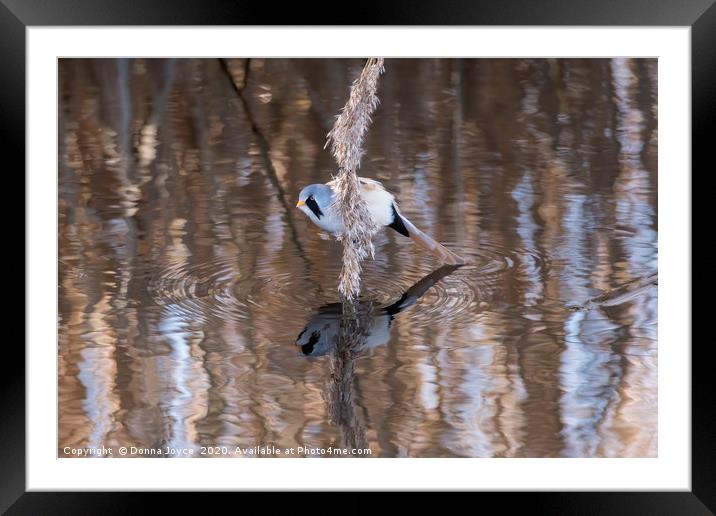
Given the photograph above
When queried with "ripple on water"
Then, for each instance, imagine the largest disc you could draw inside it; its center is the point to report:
(218, 289)
(466, 292)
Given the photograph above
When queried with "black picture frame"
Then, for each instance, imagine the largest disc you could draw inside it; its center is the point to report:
(17, 15)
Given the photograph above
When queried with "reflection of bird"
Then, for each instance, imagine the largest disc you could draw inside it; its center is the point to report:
(324, 328)
(317, 201)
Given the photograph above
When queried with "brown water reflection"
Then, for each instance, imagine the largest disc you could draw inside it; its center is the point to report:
(186, 275)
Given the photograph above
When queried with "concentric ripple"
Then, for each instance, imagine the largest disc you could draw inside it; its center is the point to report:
(468, 290)
(201, 290)
(218, 289)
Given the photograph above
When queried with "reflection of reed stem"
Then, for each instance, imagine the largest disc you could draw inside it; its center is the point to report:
(349, 342)
(342, 407)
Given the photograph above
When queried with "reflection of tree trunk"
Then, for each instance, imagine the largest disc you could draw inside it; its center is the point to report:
(341, 392)
(324, 121)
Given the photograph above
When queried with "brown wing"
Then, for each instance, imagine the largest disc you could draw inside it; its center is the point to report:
(365, 184)
(370, 184)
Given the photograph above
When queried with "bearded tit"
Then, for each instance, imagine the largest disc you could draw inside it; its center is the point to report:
(323, 330)
(318, 202)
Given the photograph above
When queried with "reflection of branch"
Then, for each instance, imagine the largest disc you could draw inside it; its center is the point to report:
(619, 294)
(264, 148)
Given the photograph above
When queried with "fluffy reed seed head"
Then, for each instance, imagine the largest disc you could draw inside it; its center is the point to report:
(346, 139)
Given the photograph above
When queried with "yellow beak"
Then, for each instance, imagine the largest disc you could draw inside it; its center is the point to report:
(299, 204)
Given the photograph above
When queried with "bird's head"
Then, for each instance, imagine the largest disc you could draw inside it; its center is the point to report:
(320, 334)
(317, 338)
(314, 200)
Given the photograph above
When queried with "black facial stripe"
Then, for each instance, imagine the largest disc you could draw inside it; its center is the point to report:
(307, 349)
(313, 206)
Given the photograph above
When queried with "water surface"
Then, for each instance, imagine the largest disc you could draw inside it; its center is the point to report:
(186, 275)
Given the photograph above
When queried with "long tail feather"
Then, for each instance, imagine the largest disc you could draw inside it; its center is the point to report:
(445, 255)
